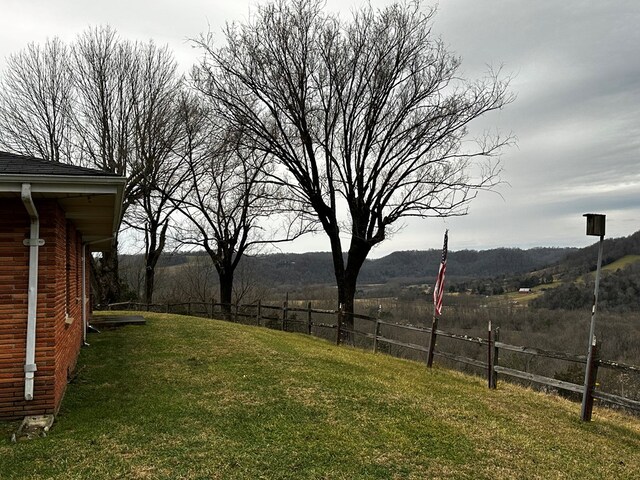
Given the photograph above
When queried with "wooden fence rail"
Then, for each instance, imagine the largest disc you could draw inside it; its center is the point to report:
(551, 382)
(542, 353)
(284, 316)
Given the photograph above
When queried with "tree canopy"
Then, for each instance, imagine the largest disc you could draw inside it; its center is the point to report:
(367, 117)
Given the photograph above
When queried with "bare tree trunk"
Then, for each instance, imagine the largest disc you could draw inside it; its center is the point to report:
(226, 291)
(347, 283)
(107, 277)
(155, 243)
(149, 281)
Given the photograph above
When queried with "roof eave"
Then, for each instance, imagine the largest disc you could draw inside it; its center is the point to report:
(72, 184)
(60, 179)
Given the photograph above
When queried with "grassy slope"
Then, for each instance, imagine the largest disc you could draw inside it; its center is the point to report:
(621, 263)
(538, 290)
(193, 398)
(611, 267)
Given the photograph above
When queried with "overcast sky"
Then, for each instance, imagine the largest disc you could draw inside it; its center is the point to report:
(576, 69)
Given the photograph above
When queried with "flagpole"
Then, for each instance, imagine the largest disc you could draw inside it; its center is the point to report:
(438, 293)
(432, 339)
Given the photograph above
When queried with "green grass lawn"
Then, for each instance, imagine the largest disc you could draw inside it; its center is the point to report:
(189, 398)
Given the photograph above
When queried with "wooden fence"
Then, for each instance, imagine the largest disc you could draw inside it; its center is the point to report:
(329, 324)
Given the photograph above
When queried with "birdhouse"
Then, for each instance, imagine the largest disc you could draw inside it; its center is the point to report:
(595, 224)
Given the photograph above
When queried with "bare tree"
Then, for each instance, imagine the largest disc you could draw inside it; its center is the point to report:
(248, 288)
(104, 81)
(127, 96)
(105, 103)
(156, 129)
(73, 106)
(368, 117)
(227, 196)
(35, 102)
(193, 281)
(104, 66)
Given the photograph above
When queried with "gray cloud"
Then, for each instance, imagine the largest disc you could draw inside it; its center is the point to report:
(577, 114)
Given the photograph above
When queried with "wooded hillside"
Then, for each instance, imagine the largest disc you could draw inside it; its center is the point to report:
(560, 276)
(416, 266)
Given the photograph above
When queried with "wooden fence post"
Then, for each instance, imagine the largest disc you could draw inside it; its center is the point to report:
(166, 310)
(494, 374)
(432, 340)
(189, 308)
(375, 336)
(259, 313)
(309, 318)
(235, 313)
(284, 315)
(213, 305)
(376, 333)
(489, 357)
(339, 326)
(592, 374)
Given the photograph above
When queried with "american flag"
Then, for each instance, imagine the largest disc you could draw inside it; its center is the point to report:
(438, 289)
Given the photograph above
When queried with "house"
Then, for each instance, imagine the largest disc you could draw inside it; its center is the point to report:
(51, 217)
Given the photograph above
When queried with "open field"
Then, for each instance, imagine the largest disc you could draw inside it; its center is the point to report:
(621, 263)
(193, 398)
(611, 267)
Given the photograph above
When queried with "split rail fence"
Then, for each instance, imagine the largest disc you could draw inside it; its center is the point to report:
(381, 336)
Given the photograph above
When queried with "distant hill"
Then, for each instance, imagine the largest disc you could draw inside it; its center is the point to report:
(406, 267)
(423, 265)
(584, 260)
(559, 277)
(619, 286)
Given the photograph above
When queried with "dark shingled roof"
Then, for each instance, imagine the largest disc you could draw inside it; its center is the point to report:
(12, 164)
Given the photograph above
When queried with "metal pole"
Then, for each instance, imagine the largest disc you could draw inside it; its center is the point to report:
(592, 331)
(591, 383)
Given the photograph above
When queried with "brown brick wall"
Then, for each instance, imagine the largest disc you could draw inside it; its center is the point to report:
(13, 301)
(68, 332)
(59, 291)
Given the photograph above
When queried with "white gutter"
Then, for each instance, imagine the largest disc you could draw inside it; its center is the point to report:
(33, 243)
(62, 183)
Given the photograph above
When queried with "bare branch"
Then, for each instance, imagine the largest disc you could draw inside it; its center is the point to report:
(35, 102)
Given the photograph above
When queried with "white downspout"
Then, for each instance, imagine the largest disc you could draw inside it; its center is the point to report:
(84, 294)
(33, 243)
